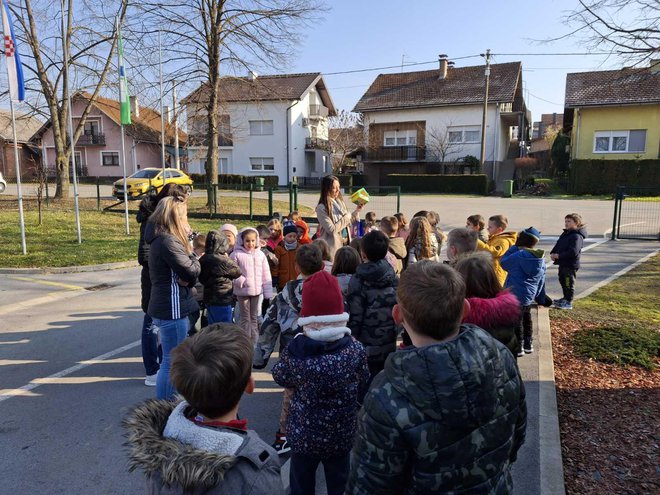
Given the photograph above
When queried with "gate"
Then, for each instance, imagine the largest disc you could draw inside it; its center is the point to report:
(636, 213)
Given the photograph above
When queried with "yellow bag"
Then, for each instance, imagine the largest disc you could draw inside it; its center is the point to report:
(360, 197)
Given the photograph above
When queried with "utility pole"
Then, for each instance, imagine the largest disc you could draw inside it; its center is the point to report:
(483, 119)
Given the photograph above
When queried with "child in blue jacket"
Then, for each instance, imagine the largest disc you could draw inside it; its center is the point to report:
(525, 268)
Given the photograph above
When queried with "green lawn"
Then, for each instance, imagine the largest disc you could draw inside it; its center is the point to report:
(54, 242)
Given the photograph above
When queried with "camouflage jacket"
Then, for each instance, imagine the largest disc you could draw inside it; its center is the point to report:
(445, 418)
(281, 321)
(370, 297)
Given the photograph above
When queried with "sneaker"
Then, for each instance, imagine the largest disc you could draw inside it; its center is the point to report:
(520, 353)
(150, 380)
(281, 446)
(558, 302)
(548, 302)
(567, 305)
(528, 348)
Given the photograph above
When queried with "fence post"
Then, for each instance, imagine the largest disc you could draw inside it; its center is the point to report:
(251, 188)
(270, 202)
(47, 195)
(291, 208)
(616, 207)
(621, 195)
(295, 196)
(398, 199)
(98, 194)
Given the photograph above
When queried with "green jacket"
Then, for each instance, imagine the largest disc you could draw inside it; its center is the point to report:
(446, 418)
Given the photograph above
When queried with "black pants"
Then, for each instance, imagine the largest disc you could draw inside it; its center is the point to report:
(303, 473)
(524, 328)
(567, 281)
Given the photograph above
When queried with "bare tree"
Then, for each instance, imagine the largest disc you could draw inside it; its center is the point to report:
(346, 134)
(89, 34)
(440, 145)
(206, 38)
(629, 28)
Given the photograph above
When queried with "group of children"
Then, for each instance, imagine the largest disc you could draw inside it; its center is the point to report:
(463, 322)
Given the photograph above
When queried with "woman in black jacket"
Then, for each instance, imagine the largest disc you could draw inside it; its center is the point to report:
(173, 269)
(151, 351)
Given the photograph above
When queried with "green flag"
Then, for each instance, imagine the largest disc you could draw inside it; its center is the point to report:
(124, 99)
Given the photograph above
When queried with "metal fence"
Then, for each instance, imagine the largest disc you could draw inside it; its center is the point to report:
(636, 213)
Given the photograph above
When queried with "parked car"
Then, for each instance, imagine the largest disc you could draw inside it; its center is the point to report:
(3, 183)
(149, 180)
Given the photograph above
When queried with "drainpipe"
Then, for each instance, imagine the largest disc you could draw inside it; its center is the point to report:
(288, 167)
(496, 141)
(577, 136)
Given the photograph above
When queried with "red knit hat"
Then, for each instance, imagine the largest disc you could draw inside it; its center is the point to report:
(321, 295)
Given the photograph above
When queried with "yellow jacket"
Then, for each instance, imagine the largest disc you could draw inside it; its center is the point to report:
(498, 245)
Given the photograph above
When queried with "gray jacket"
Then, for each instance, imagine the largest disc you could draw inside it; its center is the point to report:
(178, 456)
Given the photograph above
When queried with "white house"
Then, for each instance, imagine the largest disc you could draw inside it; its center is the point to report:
(269, 125)
(429, 121)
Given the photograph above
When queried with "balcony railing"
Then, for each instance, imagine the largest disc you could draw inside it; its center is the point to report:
(317, 111)
(91, 140)
(317, 144)
(395, 153)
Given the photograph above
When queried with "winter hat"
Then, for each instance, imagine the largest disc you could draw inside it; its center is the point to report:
(321, 296)
(289, 228)
(531, 231)
(528, 238)
(230, 227)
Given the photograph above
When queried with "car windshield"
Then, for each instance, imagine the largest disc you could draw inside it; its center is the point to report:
(145, 174)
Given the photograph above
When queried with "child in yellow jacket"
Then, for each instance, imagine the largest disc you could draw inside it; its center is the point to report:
(498, 243)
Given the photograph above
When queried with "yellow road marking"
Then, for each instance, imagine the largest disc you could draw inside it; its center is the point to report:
(47, 282)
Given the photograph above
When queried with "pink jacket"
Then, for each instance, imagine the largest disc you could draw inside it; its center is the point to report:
(255, 278)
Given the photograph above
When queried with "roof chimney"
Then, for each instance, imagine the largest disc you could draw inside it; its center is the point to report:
(135, 106)
(167, 114)
(655, 65)
(443, 66)
(252, 75)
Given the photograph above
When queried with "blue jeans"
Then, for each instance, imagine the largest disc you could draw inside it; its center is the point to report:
(172, 333)
(303, 473)
(219, 314)
(152, 353)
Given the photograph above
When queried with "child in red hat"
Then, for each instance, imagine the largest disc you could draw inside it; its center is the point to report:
(327, 368)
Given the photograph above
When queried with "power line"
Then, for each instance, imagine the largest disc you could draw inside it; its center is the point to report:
(547, 101)
(551, 54)
(394, 66)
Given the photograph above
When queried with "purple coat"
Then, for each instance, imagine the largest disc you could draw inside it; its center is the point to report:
(255, 278)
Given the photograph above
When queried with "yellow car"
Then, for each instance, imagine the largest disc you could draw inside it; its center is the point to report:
(147, 180)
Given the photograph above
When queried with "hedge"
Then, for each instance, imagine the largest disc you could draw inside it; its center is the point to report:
(440, 183)
(269, 180)
(603, 176)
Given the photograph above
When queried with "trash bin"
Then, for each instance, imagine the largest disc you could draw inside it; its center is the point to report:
(508, 188)
(259, 184)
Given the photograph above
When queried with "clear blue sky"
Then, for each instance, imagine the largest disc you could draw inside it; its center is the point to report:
(358, 34)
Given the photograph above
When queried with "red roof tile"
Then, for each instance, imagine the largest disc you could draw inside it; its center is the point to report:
(612, 87)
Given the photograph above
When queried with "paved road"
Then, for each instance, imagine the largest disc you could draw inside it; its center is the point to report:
(60, 409)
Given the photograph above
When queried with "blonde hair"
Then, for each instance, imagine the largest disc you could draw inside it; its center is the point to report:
(277, 227)
(420, 238)
(170, 217)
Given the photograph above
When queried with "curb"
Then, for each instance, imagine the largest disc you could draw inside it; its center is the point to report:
(552, 468)
(69, 269)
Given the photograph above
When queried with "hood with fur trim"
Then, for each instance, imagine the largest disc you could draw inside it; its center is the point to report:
(195, 457)
(501, 310)
(241, 234)
(325, 328)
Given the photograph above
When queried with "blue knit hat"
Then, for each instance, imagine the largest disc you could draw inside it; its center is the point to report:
(531, 231)
(289, 228)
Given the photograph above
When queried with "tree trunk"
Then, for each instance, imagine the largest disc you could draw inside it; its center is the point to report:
(62, 168)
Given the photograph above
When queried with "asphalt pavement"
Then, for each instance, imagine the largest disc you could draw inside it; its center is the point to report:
(71, 369)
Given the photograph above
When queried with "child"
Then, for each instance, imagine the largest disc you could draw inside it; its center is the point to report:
(498, 243)
(286, 256)
(370, 298)
(397, 245)
(275, 229)
(218, 272)
(460, 241)
(478, 224)
(264, 237)
(434, 220)
(293, 216)
(199, 244)
(492, 308)
(254, 281)
(347, 259)
(303, 232)
(231, 232)
(199, 445)
(281, 321)
(525, 267)
(327, 368)
(448, 415)
(370, 222)
(325, 254)
(421, 242)
(403, 231)
(566, 254)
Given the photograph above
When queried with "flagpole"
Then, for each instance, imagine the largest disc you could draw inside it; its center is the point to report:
(72, 144)
(162, 116)
(177, 162)
(122, 156)
(18, 178)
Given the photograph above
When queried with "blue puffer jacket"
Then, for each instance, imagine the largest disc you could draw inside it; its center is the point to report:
(525, 272)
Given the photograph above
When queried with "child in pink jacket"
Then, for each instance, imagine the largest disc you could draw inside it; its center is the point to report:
(254, 281)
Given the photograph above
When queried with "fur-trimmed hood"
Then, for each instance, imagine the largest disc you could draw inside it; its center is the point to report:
(325, 328)
(196, 458)
(501, 310)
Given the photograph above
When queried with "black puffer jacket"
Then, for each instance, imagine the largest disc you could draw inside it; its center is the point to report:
(169, 263)
(569, 247)
(370, 298)
(442, 418)
(218, 271)
(147, 207)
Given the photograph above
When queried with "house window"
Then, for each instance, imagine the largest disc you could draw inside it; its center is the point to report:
(224, 166)
(262, 164)
(92, 128)
(465, 134)
(400, 138)
(633, 141)
(110, 158)
(261, 127)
